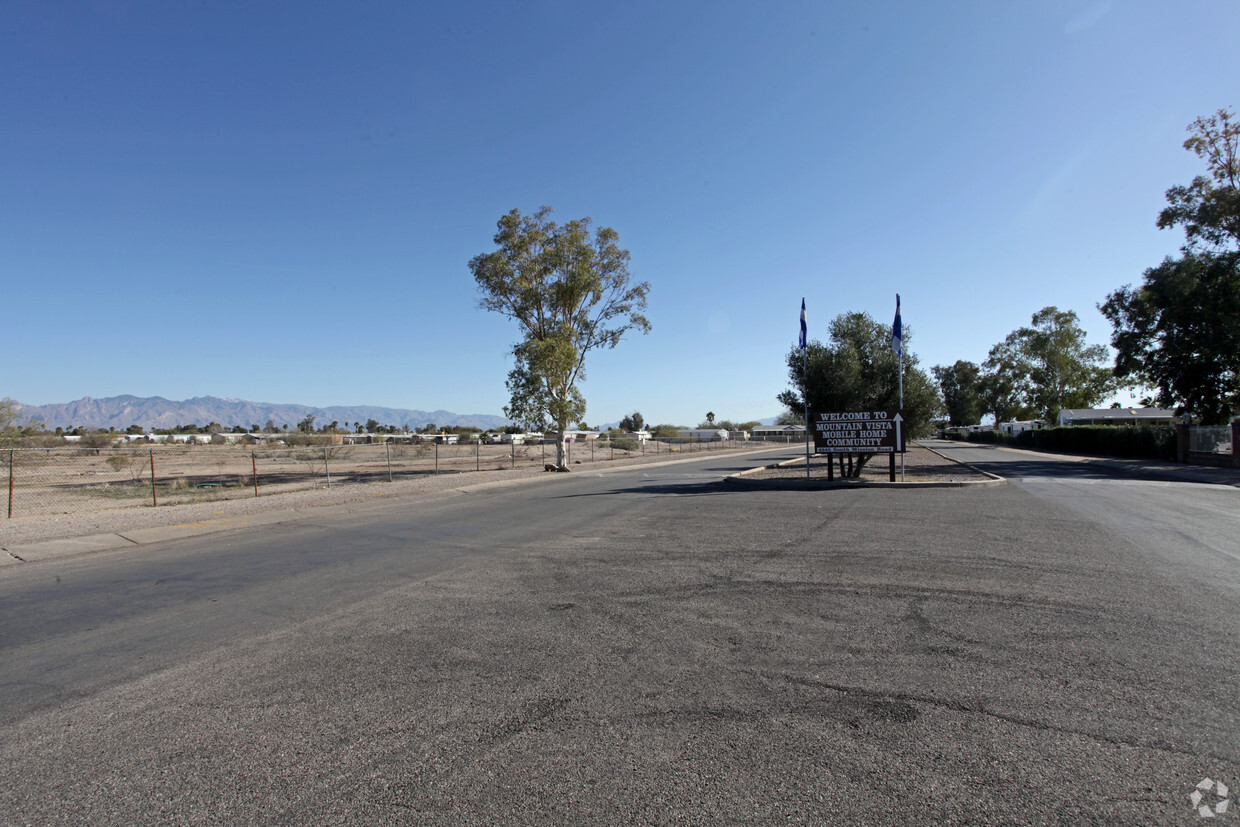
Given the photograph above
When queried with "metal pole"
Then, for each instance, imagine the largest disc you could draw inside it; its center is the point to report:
(327, 469)
(898, 447)
(154, 499)
(478, 455)
(254, 466)
(514, 454)
(10, 483)
(436, 457)
(387, 450)
(805, 392)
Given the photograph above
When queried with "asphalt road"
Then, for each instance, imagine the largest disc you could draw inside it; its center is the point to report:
(649, 646)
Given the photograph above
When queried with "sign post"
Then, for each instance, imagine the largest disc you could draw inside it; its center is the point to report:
(859, 432)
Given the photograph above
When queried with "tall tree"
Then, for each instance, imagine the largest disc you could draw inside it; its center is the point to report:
(8, 414)
(632, 423)
(856, 370)
(569, 289)
(1179, 332)
(1062, 370)
(1003, 384)
(958, 383)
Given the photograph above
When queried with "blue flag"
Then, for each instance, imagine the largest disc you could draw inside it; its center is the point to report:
(897, 336)
(803, 330)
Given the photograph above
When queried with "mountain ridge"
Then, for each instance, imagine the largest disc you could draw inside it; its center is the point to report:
(156, 412)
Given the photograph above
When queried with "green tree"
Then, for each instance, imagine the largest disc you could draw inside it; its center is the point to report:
(8, 416)
(632, 423)
(1209, 208)
(1061, 370)
(856, 370)
(1179, 332)
(569, 290)
(959, 385)
(306, 426)
(1003, 384)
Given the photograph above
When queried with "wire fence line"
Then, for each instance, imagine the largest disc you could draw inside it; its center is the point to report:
(1210, 439)
(62, 480)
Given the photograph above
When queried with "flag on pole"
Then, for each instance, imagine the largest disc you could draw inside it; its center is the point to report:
(803, 329)
(897, 336)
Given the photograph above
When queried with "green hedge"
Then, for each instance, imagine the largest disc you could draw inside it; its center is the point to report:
(1145, 442)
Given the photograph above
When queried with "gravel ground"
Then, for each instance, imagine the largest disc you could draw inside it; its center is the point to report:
(921, 465)
(80, 523)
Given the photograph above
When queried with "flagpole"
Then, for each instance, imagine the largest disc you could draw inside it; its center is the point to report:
(898, 337)
(805, 382)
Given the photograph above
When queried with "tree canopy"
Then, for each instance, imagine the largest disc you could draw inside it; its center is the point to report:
(856, 370)
(632, 423)
(1179, 331)
(1062, 370)
(1041, 369)
(569, 289)
(959, 384)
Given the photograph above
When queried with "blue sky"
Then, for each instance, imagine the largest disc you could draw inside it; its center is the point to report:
(278, 201)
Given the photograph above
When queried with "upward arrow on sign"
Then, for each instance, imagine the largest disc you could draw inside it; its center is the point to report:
(899, 441)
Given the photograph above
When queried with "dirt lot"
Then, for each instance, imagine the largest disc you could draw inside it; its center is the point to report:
(83, 517)
(87, 495)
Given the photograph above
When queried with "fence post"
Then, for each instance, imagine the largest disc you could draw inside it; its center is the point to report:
(478, 455)
(10, 483)
(387, 450)
(514, 454)
(254, 466)
(1235, 450)
(327, 469)
(436, 457)
(1181, 443)
(154, 499)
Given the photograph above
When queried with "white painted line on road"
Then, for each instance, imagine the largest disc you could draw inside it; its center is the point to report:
(1138, 483)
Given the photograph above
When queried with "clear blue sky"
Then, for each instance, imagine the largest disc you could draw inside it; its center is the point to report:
(278, 201)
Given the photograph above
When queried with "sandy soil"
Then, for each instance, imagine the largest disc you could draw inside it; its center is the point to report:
(80, 522)
(921, 465)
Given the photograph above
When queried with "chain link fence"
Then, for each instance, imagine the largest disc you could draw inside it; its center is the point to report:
(1210, 439)
(63, 480)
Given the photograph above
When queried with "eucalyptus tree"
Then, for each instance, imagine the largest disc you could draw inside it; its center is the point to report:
(569, 290)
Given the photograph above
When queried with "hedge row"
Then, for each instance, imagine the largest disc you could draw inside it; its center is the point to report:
(1145, 442)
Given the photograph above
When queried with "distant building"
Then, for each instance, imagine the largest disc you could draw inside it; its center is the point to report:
(1117, 416)
(704, 434)
(1015, 426)
(779, 433)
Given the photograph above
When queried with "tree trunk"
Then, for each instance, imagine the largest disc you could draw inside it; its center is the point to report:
(561, 448)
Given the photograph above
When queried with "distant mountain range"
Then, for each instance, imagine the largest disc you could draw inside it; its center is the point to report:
(155, 412)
